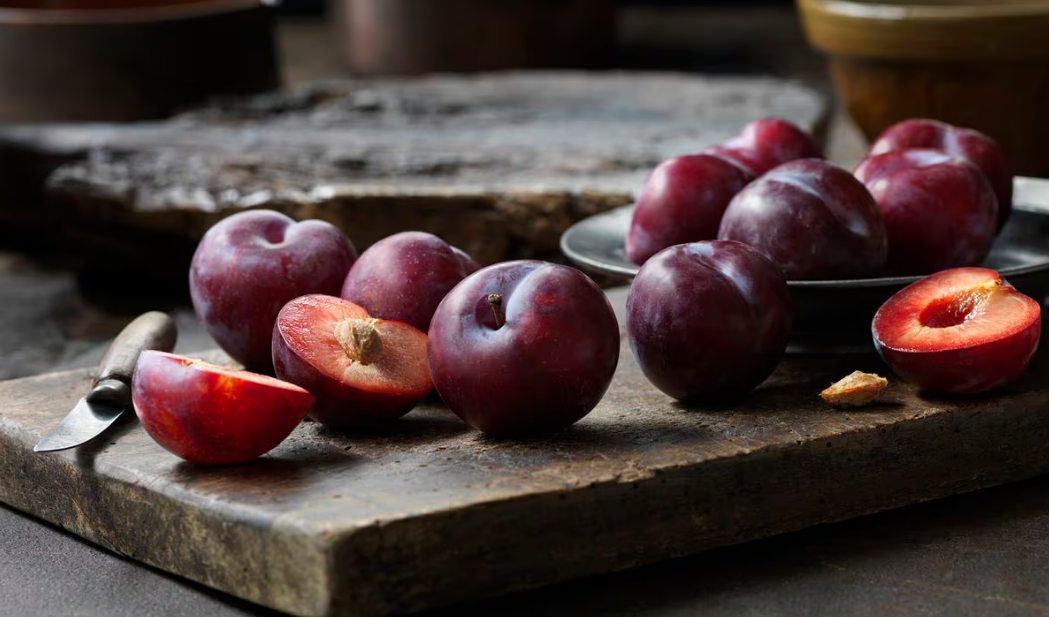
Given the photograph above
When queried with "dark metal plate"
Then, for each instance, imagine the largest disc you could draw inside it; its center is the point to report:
(835, 316)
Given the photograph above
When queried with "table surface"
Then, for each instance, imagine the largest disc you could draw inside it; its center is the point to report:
(985, 553)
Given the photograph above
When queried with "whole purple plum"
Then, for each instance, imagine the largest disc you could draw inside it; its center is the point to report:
(523, 347)
(814, 220)
(708, 320)
(249, 265)
(682, 200)
(405, 276)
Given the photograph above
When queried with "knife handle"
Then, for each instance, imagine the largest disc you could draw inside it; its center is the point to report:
(152, 330)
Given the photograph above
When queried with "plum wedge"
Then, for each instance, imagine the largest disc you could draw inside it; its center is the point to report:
(211, 414)
(363, 371)
(959, 331)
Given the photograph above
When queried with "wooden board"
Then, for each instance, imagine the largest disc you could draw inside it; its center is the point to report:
(498, 164)
(434, 513)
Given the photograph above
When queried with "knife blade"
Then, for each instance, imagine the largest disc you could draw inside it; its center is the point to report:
(110, 393)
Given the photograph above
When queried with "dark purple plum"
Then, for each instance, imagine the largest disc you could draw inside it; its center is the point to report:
(523, 347)
(708, 320)
(979, 149)
(939, 209)
(682, 200)
(767, 143)
(405, 276)
(249, 265)
(814, 220)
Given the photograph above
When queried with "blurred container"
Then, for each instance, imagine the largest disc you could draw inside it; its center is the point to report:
(420, 36)
(980, 64)
(123, 60)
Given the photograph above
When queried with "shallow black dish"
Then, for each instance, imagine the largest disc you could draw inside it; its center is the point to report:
(835, 316)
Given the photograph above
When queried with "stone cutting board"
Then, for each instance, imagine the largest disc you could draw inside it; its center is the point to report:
(433, 513)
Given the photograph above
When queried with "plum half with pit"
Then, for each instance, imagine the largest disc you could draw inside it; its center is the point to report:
(210, 414)
(682, 200)
(976, 147)
(364, 372)
(249, 265)
(765, 144)
(708, 320)
(813, 219)
(405, 276)
(523, 347)
(939, 210)
(959, 331)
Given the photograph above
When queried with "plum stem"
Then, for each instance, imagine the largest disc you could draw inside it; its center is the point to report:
(360, 339)
(495, 301)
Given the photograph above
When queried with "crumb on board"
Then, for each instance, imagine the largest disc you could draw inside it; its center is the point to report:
(854, 390)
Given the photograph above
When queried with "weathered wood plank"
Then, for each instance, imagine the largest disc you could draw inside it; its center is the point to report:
(433, 513)
(499, 164)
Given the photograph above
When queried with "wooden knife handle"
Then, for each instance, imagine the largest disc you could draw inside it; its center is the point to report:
(152, 330)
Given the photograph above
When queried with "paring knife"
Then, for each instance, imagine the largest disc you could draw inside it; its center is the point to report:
(110, 393)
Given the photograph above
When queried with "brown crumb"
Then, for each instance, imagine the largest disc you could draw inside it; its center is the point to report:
(855, 390)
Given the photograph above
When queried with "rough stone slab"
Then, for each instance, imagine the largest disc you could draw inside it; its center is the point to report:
(500, 164)
(432, 513)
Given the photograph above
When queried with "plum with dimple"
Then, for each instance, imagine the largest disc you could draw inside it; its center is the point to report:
(708, 320)
(249, 265)
(976, 147)
(813, 219)
(940, 211)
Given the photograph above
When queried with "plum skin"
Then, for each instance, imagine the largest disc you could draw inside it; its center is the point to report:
(212, 417)
(250, 264)
(976, 147)
(767, 143)
(708, 320)
(814, 220)
(682, 200)
(952, 371)
(939, 210)
(544, 368)
(405, 276)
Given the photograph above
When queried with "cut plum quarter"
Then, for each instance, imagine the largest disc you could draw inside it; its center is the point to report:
(210, 414)
(959, 331)
(363, 371)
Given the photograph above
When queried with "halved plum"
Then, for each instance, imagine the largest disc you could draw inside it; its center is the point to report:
(959, 331)
(363, 371)
(211, 414)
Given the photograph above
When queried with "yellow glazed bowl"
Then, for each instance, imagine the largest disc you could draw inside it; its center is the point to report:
(982, 64)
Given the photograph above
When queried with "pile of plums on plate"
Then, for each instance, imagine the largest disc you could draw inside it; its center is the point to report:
(927, 197)
(718, 234)
(358, 341)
